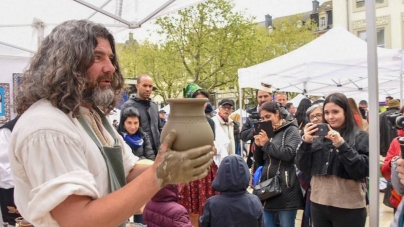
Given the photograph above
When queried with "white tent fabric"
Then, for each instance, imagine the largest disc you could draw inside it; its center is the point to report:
(22, 21)
(166, 108)
(296, 100)
(334, 62)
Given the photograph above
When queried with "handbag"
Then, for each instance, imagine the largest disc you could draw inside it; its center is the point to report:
(269, 188)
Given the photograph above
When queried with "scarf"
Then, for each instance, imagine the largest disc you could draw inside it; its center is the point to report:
(190, 89)
(134, 141)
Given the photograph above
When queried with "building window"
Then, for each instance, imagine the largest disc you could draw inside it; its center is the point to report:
(322, 22)
(361, 3)
(380, 37)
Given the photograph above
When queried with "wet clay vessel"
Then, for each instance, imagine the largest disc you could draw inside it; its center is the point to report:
(187, 117)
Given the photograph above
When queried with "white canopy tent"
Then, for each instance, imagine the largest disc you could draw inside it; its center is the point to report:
(334, 62)
(296, 100)
(338, 62)
(24, 23)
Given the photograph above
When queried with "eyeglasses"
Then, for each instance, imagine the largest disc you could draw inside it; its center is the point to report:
(226, 107)
(317, 116)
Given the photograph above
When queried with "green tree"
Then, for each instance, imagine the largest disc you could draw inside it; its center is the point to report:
(207, 44)
(287, 34)
(161, 62)
(210, 39)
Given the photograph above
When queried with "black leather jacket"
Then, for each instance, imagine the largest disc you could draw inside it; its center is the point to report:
(280, 154)
(322, 158)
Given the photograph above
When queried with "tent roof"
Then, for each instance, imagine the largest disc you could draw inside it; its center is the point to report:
(20, 19)
(334, 62)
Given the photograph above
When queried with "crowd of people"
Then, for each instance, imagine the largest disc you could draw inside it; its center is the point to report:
(76, 169)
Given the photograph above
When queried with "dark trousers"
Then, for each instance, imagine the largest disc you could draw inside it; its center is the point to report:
(9, 211)
(138, 218)
(328, 216)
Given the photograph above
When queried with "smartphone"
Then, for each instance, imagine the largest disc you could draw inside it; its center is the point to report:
(266, 126)
(322, 129)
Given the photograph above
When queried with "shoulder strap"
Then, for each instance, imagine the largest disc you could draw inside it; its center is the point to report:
(112, 156)
(283, 138)
(89, 131)
(106, 124)
(269, 157)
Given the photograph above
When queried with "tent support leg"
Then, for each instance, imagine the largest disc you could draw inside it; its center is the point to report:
(374, 141)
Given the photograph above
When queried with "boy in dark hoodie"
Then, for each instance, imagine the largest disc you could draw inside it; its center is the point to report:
(234, 206)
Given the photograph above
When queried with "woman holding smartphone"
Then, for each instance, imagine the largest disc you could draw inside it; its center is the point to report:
(338, 164)
(315, 115)
(278, 154)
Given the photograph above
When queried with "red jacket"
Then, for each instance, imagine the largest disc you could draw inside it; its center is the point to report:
(164, 211)
(394, 150)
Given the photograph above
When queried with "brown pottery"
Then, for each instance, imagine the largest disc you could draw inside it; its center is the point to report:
(187, 117)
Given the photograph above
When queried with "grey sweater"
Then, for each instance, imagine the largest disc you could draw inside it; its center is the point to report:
(395, 181)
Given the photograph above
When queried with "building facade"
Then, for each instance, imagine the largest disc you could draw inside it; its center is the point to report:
(389, 20)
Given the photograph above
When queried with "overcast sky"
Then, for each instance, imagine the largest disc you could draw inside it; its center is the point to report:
(256, 8)
(276, 8)
(53, 12)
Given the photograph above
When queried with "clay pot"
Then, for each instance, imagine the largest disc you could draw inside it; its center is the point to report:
(187, 117)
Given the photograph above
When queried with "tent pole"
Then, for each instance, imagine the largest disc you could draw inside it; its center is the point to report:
(158, 10)
(241, 117)
(108, 14)
(401, 80)
(374, 139)
(17, 47)
(401, 89)
(102, 6)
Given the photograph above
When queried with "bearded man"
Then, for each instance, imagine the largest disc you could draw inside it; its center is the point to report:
(70, 167)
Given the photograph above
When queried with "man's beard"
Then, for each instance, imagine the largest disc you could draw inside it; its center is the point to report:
(102, 97)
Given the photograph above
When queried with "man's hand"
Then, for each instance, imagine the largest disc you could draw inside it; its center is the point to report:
(173, 167)
(400, 169)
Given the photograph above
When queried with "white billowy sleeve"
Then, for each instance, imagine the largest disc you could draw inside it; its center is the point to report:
(56, 167)
(6, 179)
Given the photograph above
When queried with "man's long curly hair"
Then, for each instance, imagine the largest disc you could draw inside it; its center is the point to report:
(57, 72)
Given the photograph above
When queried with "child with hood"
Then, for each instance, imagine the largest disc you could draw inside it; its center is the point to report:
(234, 206)
(130, 129)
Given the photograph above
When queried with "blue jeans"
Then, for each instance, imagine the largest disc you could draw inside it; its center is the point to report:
(237, 148)
(138, 218)
(287, 218)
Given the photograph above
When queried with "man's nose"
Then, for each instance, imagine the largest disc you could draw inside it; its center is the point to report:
(109, 67)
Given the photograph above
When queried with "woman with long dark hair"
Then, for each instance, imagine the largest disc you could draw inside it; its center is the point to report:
(338, 164)
(278, 154)
(300, 114)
